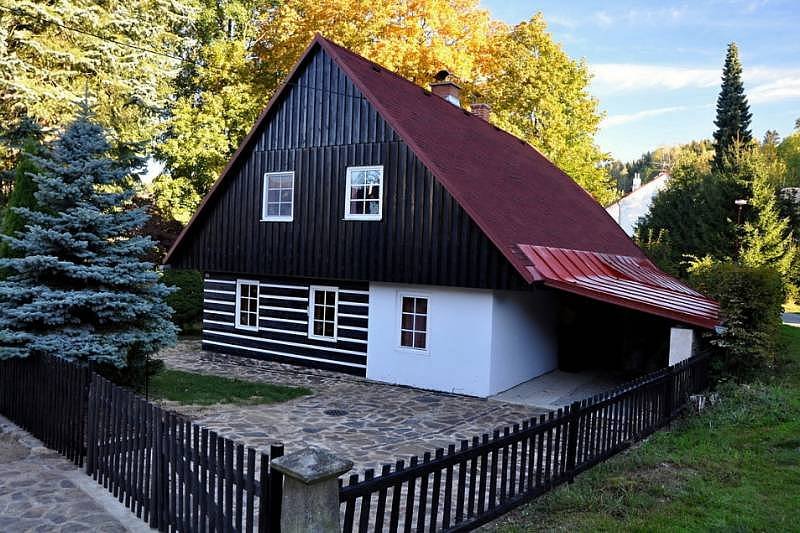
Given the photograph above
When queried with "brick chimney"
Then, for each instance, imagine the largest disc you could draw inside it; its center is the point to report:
(447, 90)
(481, 111)
(444, 88)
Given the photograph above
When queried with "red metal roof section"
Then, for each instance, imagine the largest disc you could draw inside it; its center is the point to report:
(632, 282)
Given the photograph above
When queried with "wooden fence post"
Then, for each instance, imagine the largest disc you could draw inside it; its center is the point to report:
(669, 395)
(572, 439)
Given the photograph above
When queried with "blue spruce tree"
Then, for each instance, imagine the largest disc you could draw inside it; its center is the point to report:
(80, 287)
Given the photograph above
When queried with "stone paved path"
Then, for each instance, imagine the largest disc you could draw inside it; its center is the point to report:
(367, 422)
(42, 491)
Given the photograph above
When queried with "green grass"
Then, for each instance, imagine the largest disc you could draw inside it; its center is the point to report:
(202, 389)
(735, 467)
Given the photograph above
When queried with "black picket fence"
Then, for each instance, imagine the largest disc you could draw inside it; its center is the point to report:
(47, 397)
(470, 484)
(171, 473)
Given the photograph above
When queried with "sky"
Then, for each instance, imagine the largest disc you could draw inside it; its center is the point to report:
(657, 65)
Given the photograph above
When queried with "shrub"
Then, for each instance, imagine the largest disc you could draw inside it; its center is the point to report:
(751, 300)
(187, 300)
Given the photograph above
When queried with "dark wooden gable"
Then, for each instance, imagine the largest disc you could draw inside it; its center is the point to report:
(321, 125)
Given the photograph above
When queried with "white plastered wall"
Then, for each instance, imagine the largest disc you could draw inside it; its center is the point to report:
(524, 340)
(480, 342)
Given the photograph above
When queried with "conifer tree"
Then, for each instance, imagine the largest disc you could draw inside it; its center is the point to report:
(733, 111)
(81, 289)
(767, 236)
(22, 193)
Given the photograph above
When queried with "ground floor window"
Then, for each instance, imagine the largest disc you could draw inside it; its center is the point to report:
(414, 322)
(322, 302)
(247, 304)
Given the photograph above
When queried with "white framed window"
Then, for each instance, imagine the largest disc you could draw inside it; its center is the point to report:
(322, 312)
(414, 321)
(278, 197)
(364, 195)
(247, 304)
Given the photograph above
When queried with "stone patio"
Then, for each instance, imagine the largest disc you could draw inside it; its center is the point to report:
(42, 491)
(367, 422)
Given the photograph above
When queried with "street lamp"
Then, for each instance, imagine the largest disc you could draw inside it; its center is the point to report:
(740, 203)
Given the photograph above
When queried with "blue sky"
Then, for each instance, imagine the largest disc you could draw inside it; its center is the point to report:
(657, 65)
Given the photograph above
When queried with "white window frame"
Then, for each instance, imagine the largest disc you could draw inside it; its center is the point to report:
(399, 322)
(311, 301)
(360, 216)
(237, 317)
(264, 197)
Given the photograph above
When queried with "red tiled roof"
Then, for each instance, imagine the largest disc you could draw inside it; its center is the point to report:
(621, 280)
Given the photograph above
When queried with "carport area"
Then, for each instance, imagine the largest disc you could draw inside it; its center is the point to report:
(618, 317)
(558, 388)
(600, 347)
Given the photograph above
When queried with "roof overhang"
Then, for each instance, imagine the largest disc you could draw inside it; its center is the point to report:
(630, 282)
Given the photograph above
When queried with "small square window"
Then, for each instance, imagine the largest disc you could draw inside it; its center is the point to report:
(278, 197)
(364, 193)
(322, 302)
(247, 305)
(414, 322)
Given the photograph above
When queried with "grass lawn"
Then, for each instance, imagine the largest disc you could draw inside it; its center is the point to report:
(735, 467)
(201, 389)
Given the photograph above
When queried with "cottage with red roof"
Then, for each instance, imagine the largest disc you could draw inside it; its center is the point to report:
(370, 226)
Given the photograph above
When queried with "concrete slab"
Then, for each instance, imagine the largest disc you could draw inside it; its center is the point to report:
(557, 388)
(791, 319)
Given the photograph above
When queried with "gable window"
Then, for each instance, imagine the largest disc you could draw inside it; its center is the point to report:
(278, 198)
(414, 322)
(363, 200)
(322, 302)
(247, 304)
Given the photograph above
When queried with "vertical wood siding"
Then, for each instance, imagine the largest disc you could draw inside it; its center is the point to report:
(322, 126)
(283, 323)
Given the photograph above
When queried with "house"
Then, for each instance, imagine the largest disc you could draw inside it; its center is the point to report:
(370, 226)
(630, 208)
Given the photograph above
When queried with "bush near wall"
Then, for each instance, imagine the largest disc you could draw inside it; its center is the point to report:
(187, 300)
(751, 300)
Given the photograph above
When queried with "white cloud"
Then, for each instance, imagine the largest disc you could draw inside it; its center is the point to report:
(781, 89)
(761, 83)
(617, 77)
(616, 120)
(603, 19)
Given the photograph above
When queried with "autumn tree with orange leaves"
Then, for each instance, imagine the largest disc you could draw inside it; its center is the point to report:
(536, 91)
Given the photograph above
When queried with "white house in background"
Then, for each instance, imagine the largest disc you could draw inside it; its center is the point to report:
(630, 208)
(369, 226)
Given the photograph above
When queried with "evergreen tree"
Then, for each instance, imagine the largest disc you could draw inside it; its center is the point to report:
(733, 111)
(22, 194)
(767, 236)
(81, 289)
(695, 215)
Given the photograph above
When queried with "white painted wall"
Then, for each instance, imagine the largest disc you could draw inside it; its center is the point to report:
(523, 337)
(480, 342)
(459, 344)
(681, 344)
(627, 211)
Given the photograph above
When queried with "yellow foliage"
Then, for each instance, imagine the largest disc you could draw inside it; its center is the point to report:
(537, 92)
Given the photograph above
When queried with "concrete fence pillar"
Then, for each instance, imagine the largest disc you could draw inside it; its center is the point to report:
(310, 490)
